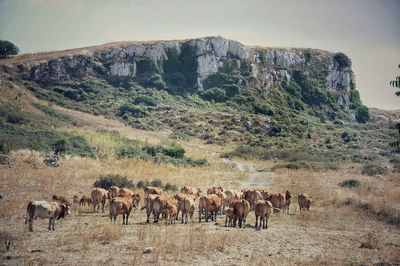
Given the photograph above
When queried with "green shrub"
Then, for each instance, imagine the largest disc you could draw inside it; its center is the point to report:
(342, 59)
(170, 187)
(263, 109)
(156, 81)
(145, 100)
(128, 108)
(307, 56)
(231, 90)
(61, 145)
(143, 66)
(362, 114)
(216, 94)
(275, 130)
(175, 152)
(113, 180)
(345, 134)
(350, 183)
(142, 184)
(372, 169)
(156, 183)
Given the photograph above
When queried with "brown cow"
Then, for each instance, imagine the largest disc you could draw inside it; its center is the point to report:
(232, 195)
(280, 200)
(99, 196)
(214, 190)
(148, 205)
(224, 200)
(263, 209)
(75, 199)
(179, 197)
(171, 211)
(160, 204)
(186, 206)
(60, 199)
(229, 216)
(191, 191)
(252, 196)
(241, 209)
(113, 192)
(121, 205)
(86, 200)
(45, 209)
(153, 190)
(210, 204)
(304, 201)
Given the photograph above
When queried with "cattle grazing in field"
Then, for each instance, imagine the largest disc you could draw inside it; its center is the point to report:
(45, 209)
(280, 200)
(229, 217)
(241, 209)
(214, 190)
(86, 200)
(180, 196)
(170, 210)
(186, 207)
(263, 209)
(304, 201)
(191, 191)
(60, 199)
(211, 205)
(224, 200)
(153, 190)
(232, 195)
(99, 196)
(252, 196)
(121, 205)
(160, 206)
(113, 192)
(148, 205)
(75, 199)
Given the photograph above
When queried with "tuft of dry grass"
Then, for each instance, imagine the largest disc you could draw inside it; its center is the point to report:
(370, 240)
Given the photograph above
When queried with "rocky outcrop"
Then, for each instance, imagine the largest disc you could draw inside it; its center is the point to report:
(269, 66)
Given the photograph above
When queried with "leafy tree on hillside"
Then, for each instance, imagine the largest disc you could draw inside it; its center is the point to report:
(396, 83)
(7, 48)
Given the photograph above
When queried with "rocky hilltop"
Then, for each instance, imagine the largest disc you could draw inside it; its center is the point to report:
(268, 66)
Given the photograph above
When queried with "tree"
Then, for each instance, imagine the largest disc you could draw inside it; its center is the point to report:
(396, 83)
(7, 48)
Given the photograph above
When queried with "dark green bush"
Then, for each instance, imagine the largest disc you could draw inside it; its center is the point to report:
(175, 152)
(307, 56)
(372, 169)
(113, 180)
(350, 183)
(128, 108)
(156, 183)
(216, 94)
(156, 81)
(263, 109)
(145, 100)
(342, 59)
(61, 145)
(362, 114)
(143, 66)
(170, 187)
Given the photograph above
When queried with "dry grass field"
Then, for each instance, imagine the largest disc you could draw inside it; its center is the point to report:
(344, 226)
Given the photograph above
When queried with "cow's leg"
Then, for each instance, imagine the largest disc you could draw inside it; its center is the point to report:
(182, 217)
(30, 224)
(127, 217)
(257, 221)
(206, 213)
(226, 220)
(50, 224)
(54, 222)
(123, 219)
(199, 215)
(148, 216)
(240, 221)
(215, 216)
(102, 206)
(94, 206)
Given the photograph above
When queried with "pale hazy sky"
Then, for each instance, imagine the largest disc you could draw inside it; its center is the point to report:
(368, 31)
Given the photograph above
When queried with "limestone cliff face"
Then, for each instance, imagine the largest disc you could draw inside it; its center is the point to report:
(269, 66)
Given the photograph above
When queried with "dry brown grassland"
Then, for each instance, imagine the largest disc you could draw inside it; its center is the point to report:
(344, 226)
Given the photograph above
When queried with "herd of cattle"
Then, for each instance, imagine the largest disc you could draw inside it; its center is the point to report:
(234, 203)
